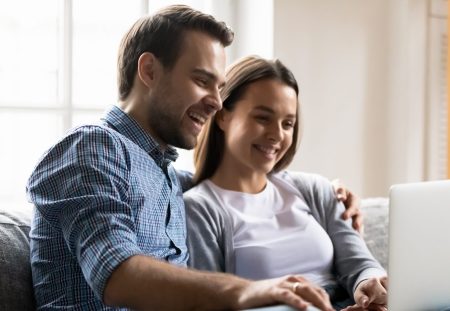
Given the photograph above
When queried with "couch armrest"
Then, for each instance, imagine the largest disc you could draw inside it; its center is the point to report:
(16, 288)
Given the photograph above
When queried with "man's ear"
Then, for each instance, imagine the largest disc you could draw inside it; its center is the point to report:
(147, 68)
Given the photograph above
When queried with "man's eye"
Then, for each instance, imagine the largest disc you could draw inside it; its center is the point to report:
(202, 82)
(262, 118)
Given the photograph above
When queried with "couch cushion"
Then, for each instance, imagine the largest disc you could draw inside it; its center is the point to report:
(376, 220)
(16, 290)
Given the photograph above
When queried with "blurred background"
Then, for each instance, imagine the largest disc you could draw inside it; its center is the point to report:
(372, 75)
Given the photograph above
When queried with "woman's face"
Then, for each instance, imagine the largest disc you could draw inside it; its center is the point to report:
(260, 129)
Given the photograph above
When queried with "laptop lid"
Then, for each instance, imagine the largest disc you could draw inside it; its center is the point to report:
(419, 246)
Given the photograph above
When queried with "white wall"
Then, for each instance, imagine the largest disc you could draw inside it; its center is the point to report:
(253, 24)
(361, 67)
(351, 59)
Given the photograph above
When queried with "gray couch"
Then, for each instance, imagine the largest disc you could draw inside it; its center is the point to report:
(16, 291)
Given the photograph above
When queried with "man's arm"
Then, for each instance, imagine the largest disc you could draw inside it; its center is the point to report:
(144, 283)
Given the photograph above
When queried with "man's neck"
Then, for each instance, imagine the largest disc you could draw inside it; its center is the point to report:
(132, 107)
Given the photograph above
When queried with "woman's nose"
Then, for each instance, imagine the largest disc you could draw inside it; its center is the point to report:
(275, 132)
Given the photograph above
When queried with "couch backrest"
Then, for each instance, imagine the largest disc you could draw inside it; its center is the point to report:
(376, 222)
(16, 289)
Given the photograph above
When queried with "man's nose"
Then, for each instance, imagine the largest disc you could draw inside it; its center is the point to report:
(214, 101)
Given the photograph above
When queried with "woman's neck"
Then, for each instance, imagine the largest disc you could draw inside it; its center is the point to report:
(235, 180)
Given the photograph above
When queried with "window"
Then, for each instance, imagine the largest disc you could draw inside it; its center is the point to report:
(57, 70)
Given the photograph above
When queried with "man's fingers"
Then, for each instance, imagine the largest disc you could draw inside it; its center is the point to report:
(360, 230)
(351, 209)
(341, 194)
(352, 204)
(358, 223)
(348, 213)
(339, 189)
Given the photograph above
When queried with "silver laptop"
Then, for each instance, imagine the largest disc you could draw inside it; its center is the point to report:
(419, 246)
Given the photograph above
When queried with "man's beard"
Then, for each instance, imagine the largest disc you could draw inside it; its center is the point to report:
(175, 137)
(169, 131)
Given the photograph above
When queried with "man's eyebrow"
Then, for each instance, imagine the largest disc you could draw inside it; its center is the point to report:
(209, 75)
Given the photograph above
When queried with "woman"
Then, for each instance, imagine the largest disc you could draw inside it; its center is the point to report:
(248, 216)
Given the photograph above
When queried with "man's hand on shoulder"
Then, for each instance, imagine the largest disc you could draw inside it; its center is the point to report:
(352, 205)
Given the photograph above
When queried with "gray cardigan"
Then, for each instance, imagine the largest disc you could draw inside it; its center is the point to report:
(210, 231)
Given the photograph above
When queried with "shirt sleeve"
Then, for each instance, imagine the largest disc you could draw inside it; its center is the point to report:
(353, 261)
(205, 235)
(185, 178)
(81, 188)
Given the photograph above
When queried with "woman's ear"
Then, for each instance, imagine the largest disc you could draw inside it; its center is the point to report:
(147, 68)
(222, 119)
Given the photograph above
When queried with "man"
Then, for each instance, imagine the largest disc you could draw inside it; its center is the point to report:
(109, 227)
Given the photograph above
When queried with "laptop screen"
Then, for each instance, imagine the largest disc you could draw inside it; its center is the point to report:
(419, 246)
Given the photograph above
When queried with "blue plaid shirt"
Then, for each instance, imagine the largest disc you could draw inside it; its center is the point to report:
(102, 194)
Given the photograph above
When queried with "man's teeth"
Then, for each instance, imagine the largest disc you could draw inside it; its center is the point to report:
(197, 117)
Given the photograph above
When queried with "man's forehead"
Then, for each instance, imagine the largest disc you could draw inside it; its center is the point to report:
(204, 53)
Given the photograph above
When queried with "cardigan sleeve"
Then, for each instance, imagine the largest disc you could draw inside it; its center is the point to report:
(353, 261)
(206, 235)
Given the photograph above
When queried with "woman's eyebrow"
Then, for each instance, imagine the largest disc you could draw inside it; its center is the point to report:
(270, 110)
(264, 108)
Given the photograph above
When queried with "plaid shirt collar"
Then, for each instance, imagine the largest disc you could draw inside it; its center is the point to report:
(116, 118)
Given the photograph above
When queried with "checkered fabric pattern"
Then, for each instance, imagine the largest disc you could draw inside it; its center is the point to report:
(102, 194)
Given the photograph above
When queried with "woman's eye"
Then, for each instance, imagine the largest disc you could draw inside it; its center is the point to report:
(288, 125)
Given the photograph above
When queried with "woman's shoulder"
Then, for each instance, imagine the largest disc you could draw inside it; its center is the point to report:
(203, 197)
(200, 190)
(301, 180)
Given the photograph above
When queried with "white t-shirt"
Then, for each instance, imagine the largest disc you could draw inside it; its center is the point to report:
(274, 234)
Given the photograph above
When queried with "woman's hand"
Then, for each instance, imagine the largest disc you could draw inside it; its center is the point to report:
(370, 294)
(352, 204)
(293, 290)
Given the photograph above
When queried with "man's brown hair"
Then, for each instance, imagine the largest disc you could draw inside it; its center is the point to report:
(162, 35)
